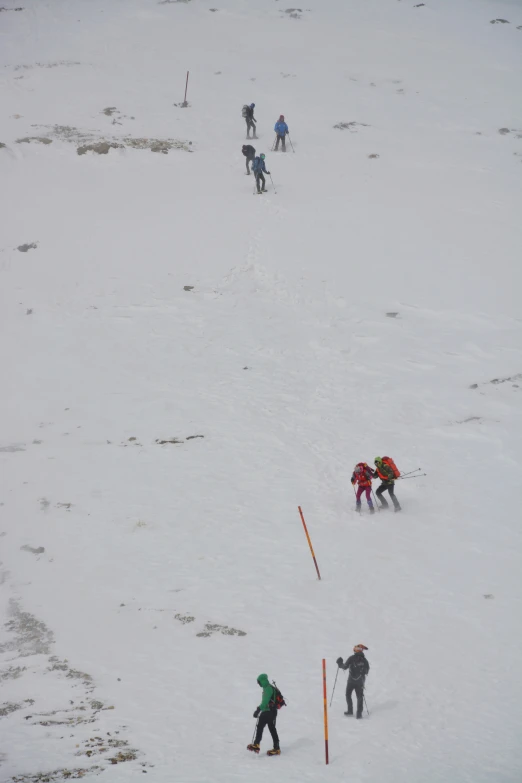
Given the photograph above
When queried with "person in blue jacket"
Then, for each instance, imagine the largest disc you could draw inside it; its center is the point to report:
(258, 167)
(281, 128)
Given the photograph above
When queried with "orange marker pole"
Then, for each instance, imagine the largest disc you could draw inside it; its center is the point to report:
(309, 542)
(325, 703)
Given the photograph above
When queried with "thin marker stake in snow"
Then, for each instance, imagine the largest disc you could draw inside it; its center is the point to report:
(185, 104)
(309, 542)
(325, 706)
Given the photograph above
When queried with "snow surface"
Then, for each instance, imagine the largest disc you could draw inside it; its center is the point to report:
(283, 358)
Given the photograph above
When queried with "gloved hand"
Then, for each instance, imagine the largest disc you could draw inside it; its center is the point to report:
(256, 713)
(339, 662)
(353, 482)
(268, 173)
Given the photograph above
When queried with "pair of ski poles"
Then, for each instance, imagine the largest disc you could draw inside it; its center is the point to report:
(333, 691)
(275, 142)
(408, 475)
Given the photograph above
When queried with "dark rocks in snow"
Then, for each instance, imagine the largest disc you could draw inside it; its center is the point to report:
(193, 437)
(350, 126)
(100, 148)
(497, 381)
(374, 155)
(34, 550)
(29, 246)
(499, 21)
(211, 628)
(168, 440)
(188, 287)
(39, 139)
(504, 131)
(392, 315)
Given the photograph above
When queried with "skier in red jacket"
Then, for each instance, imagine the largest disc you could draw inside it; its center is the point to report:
(362, 475)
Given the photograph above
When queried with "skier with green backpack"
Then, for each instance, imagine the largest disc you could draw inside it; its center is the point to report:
(266, 714)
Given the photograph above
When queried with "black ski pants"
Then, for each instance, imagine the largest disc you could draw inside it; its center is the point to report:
(267, 718)
(390, 488)
(250, 126)
(283, 143)
(358, 687)
(260, 179)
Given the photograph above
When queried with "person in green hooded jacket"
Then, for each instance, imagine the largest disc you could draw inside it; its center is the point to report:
(267, 715)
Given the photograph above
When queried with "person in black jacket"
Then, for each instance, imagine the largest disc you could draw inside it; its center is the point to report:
(250, 119)
(249, 153)
(358, 668)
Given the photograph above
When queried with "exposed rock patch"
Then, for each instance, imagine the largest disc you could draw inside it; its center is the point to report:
(39, 139)
(351, 126)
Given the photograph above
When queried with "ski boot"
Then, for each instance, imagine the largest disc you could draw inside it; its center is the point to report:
(359, 717)
(273, 752)
(254, 748)
(372, 510)
(397, 508)
(358, 507)
(349, 713)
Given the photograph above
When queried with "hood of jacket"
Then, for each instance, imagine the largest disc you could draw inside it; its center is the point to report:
(263, 680)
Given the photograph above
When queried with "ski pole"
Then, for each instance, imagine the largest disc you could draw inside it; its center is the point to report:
(410, 477)
(274, 143)
(255, 730)
(375, 499)
(272, 181)
(335, 683)
(290, 140)
(367, 710)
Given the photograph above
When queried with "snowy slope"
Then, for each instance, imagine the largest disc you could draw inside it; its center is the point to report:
(283, 360)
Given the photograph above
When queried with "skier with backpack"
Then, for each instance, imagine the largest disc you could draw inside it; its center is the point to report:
(387, 471)
(249, 153)
(362, 475)
(358, 669)
(248, 115)
(266, 714)
(258, 167)
(281, 129)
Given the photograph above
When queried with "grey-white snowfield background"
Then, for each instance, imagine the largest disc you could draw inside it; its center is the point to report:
(184, 362)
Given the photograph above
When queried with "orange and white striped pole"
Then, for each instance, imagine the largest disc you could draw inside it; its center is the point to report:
(309, 542)
(325, 704)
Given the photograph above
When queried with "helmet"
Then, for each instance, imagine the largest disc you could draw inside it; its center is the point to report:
(281, 116)
(378, 460)
(359, 648)
(252, 105)
(262, 156)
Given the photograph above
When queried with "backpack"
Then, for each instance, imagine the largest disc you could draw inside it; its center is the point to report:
(277, 700)
(245, 111)
(391, 464)
(361, 473)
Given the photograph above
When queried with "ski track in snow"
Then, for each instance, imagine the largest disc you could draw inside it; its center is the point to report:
(184, 365)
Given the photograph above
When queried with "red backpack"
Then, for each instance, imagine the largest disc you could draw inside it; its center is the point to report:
(391, 464)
